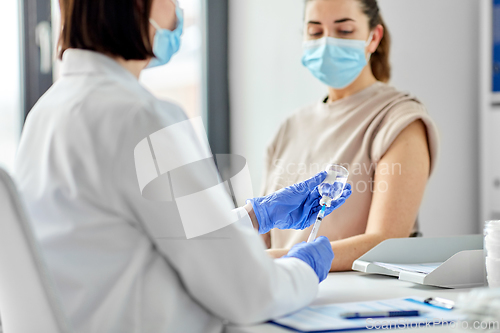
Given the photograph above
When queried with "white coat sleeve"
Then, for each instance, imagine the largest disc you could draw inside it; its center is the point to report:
(228, 270)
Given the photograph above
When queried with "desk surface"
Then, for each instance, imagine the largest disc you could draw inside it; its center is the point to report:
(356, 287)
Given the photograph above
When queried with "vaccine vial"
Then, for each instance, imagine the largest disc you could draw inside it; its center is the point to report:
(332, 187)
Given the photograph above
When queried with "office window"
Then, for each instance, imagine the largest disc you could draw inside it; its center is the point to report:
(196, 77)
(10, 100)
(181, 81)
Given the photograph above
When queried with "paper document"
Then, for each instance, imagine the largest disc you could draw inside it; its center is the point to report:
(425, 268)
(327, 318)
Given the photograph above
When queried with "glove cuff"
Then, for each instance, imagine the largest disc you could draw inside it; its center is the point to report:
(261, 215)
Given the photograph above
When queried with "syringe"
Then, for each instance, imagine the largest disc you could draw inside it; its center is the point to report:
(317, 224)
(330, 190)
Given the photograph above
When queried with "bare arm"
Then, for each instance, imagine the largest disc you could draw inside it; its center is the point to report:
(267, 241)
(393, 212)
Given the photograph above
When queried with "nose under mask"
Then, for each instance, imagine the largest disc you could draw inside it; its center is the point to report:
(334, 61)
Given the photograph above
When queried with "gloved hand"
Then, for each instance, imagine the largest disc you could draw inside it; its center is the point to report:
(318, 255)
(294, 207)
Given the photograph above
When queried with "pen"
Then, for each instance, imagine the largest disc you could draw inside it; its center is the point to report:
(380, 314)
(440, 302)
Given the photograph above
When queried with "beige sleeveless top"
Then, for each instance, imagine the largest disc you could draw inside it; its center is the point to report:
(356, 132)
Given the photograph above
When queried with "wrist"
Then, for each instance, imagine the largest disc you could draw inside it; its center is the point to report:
(261, 218)
(251, 214)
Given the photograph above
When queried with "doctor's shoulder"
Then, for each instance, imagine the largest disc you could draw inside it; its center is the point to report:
(157, 113)
(132, 106)
(148, 116)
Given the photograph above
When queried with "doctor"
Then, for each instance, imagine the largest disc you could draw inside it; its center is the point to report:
(122, 263)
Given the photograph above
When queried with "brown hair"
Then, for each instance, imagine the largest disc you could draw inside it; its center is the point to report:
(381, 66)
(115, 27)
(379, 62)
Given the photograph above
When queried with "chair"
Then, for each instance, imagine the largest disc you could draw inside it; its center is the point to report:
(27, 299)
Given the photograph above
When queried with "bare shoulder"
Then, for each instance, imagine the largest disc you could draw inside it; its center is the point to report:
(411, 148)
(416, 127)
(415, 133)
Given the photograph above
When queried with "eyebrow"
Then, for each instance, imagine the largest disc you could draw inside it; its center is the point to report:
(338, 21)
(344, 20)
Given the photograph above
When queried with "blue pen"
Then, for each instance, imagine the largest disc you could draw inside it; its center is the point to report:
(380, 314)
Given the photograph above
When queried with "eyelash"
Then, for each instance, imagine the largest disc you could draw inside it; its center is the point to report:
(342, 32)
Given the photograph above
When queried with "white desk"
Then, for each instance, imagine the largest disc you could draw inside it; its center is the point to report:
(355, 287)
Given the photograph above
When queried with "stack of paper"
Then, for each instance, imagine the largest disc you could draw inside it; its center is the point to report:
(417, 268)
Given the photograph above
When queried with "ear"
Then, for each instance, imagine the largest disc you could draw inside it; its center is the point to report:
(378, 34)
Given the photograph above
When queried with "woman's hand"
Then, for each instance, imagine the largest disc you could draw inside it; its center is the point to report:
(294, 207)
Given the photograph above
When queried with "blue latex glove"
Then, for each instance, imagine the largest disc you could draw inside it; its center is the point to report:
(294, 207)
(318, 255)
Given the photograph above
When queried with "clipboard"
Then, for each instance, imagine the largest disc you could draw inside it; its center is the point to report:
(326, 318)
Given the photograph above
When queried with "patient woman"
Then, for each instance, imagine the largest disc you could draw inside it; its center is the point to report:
(385, 137)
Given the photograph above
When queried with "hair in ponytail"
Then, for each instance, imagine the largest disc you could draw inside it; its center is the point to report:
(380, 64)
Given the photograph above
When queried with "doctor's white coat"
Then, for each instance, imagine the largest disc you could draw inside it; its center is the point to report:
(122, 263)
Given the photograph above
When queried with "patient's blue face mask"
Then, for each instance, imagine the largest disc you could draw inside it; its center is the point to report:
(166, 43)
(336, 62)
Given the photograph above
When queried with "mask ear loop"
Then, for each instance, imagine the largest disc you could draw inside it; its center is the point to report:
(157, 26)
(154, 24)
(370, 39)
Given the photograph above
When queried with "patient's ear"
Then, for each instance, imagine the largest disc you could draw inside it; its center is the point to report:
(378, 34)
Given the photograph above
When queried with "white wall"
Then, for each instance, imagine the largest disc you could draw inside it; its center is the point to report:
(434, 55)
(267, 80)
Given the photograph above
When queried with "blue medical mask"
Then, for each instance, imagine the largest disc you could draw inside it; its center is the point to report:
(336, 62)
(166, 43)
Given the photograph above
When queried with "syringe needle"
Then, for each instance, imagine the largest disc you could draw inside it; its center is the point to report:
(317, 224)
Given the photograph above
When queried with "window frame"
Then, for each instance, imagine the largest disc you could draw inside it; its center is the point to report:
(216, 76)
(34, 83)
